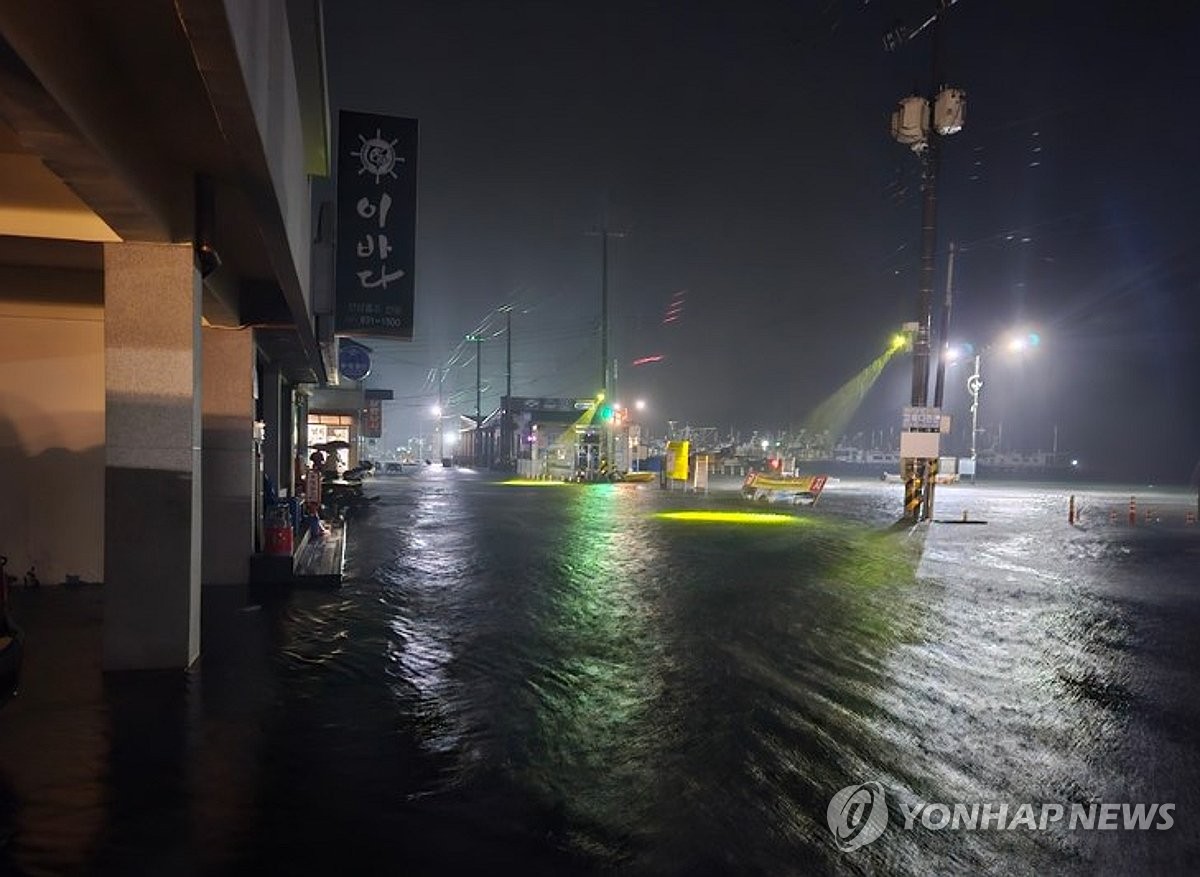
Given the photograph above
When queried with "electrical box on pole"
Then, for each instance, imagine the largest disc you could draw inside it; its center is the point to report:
(910, 122)
(949, 111)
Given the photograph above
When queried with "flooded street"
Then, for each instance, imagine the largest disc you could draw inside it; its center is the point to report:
(557, 679)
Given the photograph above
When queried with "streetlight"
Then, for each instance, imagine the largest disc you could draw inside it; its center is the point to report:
(436, 411)
(478, 340)
(1016, 343)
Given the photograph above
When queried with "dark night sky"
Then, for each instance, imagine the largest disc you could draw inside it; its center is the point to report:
(744, 149)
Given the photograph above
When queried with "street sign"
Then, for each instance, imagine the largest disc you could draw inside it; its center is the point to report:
(922, 419)
(354, 361)
(923, 445)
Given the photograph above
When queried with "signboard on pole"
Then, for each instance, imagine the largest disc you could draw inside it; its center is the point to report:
(925, 418)
(372, 422)
(372, 413)
(376, 225)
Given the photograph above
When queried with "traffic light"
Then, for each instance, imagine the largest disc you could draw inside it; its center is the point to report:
(606, 413)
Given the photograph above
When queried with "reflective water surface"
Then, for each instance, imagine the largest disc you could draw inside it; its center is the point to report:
(559, 680)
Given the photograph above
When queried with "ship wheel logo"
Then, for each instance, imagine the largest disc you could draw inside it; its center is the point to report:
(378, 156)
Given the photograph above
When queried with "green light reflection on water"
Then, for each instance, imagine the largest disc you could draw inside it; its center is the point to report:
(594, 743)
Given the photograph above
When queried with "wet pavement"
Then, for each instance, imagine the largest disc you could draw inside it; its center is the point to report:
(554, 679)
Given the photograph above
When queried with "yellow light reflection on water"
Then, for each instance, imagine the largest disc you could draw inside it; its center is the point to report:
(731, 517)
(533, 482)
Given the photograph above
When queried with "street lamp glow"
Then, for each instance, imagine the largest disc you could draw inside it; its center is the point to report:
(640, 404)
(436, 410)
(765, 444)
(1024, 341)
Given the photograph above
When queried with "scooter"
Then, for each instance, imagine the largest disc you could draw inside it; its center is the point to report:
(340, 496)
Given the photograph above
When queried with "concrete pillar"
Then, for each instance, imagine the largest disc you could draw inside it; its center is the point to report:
(287, 438)
(273, 418)
(152, 529)
(228, 457)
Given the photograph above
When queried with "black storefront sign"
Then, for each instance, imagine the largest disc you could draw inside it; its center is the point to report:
(377, 224)
(372, 421)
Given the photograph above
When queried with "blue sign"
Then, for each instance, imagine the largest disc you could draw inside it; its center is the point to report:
(354, 362)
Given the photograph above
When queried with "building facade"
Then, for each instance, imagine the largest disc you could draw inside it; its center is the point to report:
(157, 306)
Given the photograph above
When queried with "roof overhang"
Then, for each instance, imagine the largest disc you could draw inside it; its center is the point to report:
(114, 111)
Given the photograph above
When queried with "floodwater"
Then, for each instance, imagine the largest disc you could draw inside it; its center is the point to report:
(555, 680)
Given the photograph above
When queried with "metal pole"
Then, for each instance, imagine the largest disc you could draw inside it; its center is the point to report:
(604, 311)
(610, 443)
(974, 384)
(920, 383)
(917, 471)
(944, 332)
(940, 383)
(929, 176)
(478, 397)
(505, 426)
(478, 380)
(441, 422)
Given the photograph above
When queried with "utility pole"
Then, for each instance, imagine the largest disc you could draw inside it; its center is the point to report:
(506, 413)
(441, 409)
(920, 122)
(605, 234)
(478, 339)
(943, 355)
(944, 332)
(604, 311)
